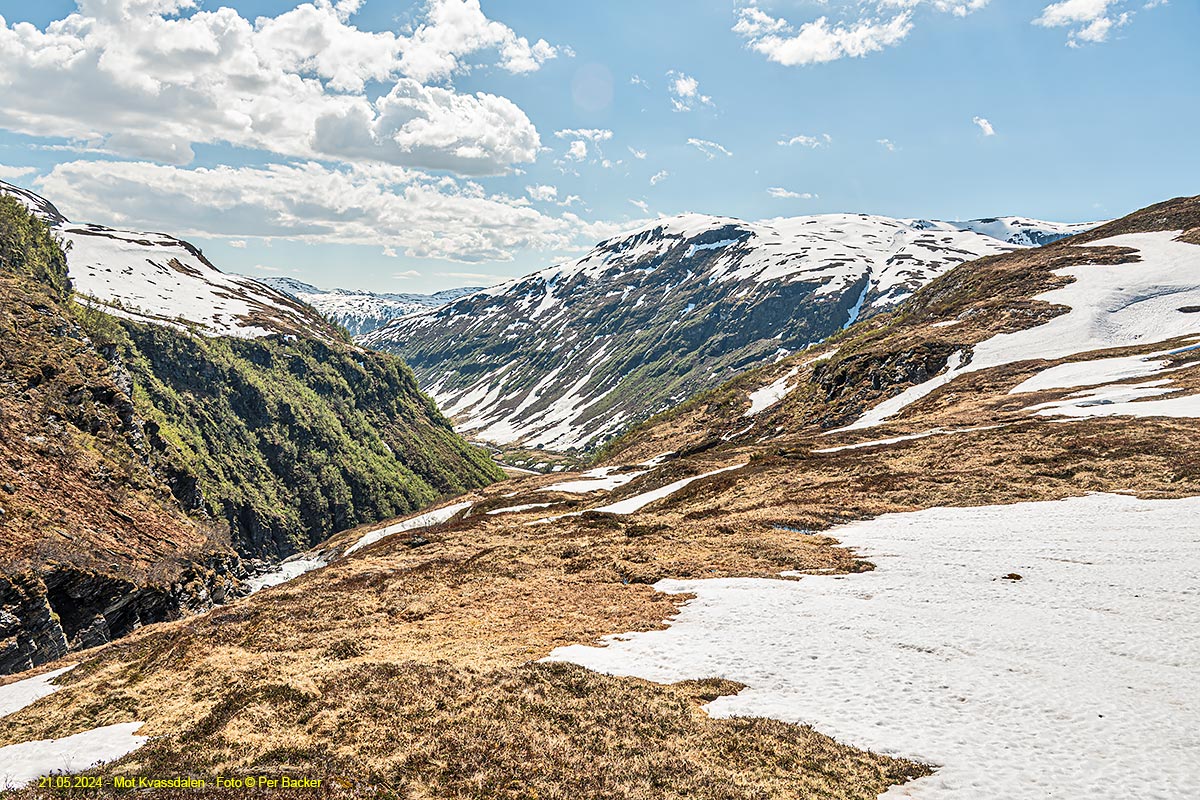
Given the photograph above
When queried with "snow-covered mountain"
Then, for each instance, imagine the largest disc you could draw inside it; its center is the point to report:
(573, 354)
(153, 277)
(362, 312)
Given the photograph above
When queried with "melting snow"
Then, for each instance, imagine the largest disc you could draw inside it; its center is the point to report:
(631, 505)
(604, 479)
(18, 695)
(764, 398)
(1120, 305)
(25, 762)
(518, 509)
(1076, 681)
(426, 520)
(286, 571)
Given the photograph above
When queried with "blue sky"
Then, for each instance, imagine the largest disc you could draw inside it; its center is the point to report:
(466, 143)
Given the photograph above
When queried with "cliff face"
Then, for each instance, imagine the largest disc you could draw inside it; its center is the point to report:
(139, 462)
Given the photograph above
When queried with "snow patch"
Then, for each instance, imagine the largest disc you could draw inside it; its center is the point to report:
(426, 520)
(1078, 680)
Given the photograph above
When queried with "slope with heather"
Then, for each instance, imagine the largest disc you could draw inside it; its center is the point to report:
(165, 418)
(570, 356)
(1030, 580)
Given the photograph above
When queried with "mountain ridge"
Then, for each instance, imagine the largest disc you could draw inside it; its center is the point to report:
(359, 311)
(568, 356)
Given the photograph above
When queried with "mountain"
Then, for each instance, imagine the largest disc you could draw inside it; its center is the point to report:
(167, 427)
(911, 555)
(571, 355)
(363, 312)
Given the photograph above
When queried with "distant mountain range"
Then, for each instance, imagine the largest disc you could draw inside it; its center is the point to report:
(572, 355)
(361, 312)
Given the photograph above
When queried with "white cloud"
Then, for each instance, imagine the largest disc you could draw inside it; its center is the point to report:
(390, 252)
(379, 205)
(868, 27)
(642, 205)
(710, 149)
(542, 192)
(823, 140)
(985, 126)
(585, 141)
(640, 155)
(239, 244)
(407, 274)
(787, 194)
(818, 42)
(1091, 21)
(887, 144)
(8, 173)
(685, 91)
(132, 78)
(659, 177)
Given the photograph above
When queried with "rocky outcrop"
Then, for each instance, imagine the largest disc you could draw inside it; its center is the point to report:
(48, 614)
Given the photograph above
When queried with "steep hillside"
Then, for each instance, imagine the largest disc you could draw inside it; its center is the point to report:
(570, 356)
(362, 312)
(163, 412)
(1008, 460)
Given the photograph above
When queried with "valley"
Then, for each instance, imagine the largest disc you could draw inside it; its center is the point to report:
(1011, 442)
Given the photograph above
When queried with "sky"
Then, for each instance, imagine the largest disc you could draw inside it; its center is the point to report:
(412, 147)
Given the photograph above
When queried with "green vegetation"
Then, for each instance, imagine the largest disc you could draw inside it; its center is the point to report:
(286, 439)
(28, 247)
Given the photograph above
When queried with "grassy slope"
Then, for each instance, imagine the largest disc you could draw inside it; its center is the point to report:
(411, 667)
(278, 442)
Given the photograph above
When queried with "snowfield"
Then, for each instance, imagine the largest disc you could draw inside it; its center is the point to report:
(1076, 681)
(27, 761)
(553, 360)
(1121, 305)
(426, 520)
(156, 278)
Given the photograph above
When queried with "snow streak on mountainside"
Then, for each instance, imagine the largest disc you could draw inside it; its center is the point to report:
(570, 355)
(362, 312)
(152, 277)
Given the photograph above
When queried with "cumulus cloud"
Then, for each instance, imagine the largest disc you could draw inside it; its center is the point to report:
(136, 78)
(710, 149)
(8, 173)
(865, 27)
(239, 244)
(787, 194)
(542, 192)
(984, 126)
(886, 144)
(659, 177)
(585, 142)
(642, 205)
(685, 92)
(640, 155)
(807, 141)
(1090, 21)
(379, 205)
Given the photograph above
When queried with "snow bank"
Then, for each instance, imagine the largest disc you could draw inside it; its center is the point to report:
(604, 479)
(764, 398)
(1076, 681)
(18, 695)
(426, 520)
(25, 762)
(518, 509)
(286, 571)
(1120, 305)
(631, 505)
